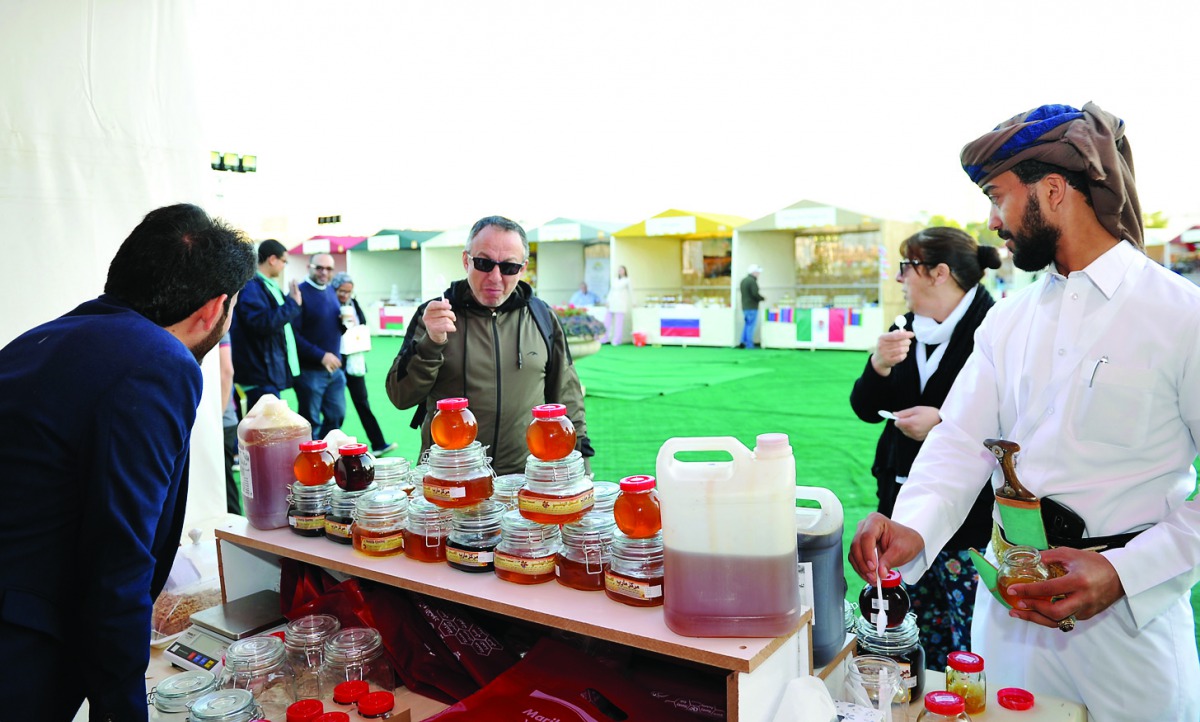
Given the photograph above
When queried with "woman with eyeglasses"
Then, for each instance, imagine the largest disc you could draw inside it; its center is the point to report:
(904, 383)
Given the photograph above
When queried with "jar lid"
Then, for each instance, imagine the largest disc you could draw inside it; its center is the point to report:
(892, 579)
(946, 703)
(254, 653)
(640, 482)
(590, 529)
(454, 404)
(485, 512)
(314, 445)
(549, 411)
(306, 710)
(352, 449)
(965, 662)
(390, 467)
(569, 468)
(224, 704)
(512, 522)
(470, 457)
(376, 704)
(310, 629)
(604, 495)
(333, 717)
(422, 510)
(385, 502)
(350, 692)
(1015, 698)
(353, 644)
(175, 692)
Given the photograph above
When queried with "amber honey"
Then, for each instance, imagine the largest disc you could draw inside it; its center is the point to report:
(574, 574)
(524, 570)
(972, 693)
(453, 426)
(376, 543)
(1005, 582)
(455, 493)
(314, 464)
(550, 435)
(637, 510)
(552, 508)
(424, 548)
(636, 592)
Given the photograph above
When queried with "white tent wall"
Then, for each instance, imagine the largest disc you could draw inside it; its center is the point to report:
(98, 126)
(559, 270)
(376, 273)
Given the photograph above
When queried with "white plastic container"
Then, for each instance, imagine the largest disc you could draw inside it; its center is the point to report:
(729, 538)
(819, 567)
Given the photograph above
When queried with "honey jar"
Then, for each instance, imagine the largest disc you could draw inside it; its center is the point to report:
(634, 575)
(474, 534)
(525, 554)
(426, 530)
(585, 552)
(307, 507)
(1020, 565)
(354, 469)
(453, 425)
(636, 509)
(314, 463)
(894, 605)
(965, 677)
(457, 477)
(379, 517)
(550, 435)
(555, 492)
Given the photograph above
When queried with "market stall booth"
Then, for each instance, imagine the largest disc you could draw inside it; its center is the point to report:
(336, 246)
(829, 275)
(570, 252)
(387, 278)
(441, 261)
(680, 268)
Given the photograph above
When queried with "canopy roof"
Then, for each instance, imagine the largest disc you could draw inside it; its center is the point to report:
(686, 225)
(327, 244)
(453, 238)
(813, 216)
(388, 239)
(572, 229)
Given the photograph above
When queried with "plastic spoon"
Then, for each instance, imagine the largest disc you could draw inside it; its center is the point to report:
(887, 415)
(881, 613)
(901, 322)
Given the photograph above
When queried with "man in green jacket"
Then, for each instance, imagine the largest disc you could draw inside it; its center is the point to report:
(481, 341)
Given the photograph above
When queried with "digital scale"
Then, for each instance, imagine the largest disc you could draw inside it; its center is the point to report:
(202, 646)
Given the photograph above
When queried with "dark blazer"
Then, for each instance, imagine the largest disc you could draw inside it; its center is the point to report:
(257, 337)
(96, 414)
(895, 452)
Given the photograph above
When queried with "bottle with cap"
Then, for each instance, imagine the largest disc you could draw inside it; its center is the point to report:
(965, 677)
(550, 435)
(895, 602)
(355, 468)
(453, 425)
(637, 510)
(314, 464)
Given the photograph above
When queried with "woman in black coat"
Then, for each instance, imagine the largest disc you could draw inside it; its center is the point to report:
(908, 376)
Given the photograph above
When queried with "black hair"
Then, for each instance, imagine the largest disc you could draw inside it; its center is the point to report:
(176, 260)
(1031, 171)
(966, 259)
(503, 224)
(271, 248)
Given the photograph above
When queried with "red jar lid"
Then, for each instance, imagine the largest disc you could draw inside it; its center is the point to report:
(549, 411)
(945, 703)
(353, 449)
(376, 704)
(455, 404)
(639, 482)
(1015, 698)
(350, 692)
(965, 662)
(306, 710)
(892, 579)
(314, 445)
(333, 717)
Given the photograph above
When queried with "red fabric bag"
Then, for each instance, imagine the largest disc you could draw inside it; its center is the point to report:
(557, 682)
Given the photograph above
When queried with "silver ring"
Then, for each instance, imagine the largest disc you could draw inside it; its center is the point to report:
(1067, 624)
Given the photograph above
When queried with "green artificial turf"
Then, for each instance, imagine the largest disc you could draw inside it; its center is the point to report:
(637, 398)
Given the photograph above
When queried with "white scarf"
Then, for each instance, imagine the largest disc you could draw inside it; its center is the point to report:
(930, 332)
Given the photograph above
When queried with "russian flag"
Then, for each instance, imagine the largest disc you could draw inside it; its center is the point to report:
(679, 327)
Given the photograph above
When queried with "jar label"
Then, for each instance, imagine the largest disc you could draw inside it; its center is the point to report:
(388, 543)
(307, 522)
(244, 463)
(444, 493)
(636, 588)
(555, 506)
(533, 566)
(337, 528)
(469, 558)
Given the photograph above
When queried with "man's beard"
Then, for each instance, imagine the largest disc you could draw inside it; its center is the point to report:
(1036, 244)
(206, 344)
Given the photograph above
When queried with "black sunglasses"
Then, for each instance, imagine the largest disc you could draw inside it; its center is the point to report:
(485, 265)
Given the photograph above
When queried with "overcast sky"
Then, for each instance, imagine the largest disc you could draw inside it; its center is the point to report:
(432, 114)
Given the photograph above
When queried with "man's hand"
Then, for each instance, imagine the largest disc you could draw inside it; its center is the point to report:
(439, 321)
(891, 349)
(917, 422)
(294, 292)
(331, 362)
(1090, 586)
(894, 543)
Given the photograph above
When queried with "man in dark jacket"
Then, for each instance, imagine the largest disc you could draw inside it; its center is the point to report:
(481, 341)
(750, 300)
(264, 346)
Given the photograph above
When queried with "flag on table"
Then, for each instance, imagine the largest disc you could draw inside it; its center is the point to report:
(390, 318)
(679, 328)
(821, 325)
(855, 317)
(837, 325)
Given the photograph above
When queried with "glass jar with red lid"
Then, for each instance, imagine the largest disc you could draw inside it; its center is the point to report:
(453, 425)
(894, 604)
(636, 509)
(556, 492)
(314, 463)
(965, 677)
(355, 468)
(550, 435)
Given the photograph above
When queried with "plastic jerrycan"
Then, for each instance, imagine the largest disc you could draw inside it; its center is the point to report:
(819, 567)
(729, 538)
(268, 442)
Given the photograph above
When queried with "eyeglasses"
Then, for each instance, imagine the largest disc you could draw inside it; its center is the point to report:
(906, 263)
(485, 265)
(321, 268)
